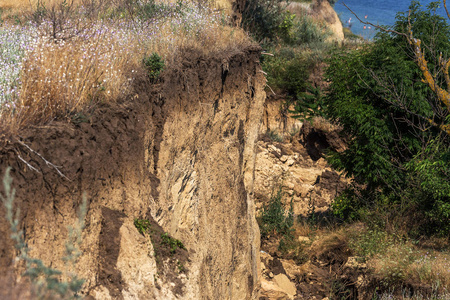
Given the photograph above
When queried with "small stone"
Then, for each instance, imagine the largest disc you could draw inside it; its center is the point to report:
(275, 149)
(290, 185)
(304, 239)
(290, 162)
(271, 275)
(284, 158)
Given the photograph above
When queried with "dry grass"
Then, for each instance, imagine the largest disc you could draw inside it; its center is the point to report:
(20, 7)
(432, 267)
(67, 76)
(397, 262)
(99, 61)
(403, 263)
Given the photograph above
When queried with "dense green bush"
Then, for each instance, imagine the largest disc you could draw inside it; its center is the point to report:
(307, 31)
(429, 173)
(263, 18)
(288, 71)
(378, 96)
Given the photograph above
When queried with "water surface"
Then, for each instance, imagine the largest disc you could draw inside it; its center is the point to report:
(380, 12)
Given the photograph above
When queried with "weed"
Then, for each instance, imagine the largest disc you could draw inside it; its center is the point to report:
(46, 280)
(173, 243)
(154, 66)
(311, 216)
(274, 136)
(180, 266)
(142, 225)
(290, 248)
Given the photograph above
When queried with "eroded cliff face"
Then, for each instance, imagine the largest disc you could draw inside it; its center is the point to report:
(181, 154)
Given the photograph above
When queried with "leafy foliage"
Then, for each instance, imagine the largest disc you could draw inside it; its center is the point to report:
(274, 218)
(154, 65)
(142, 225)
(172, 243)
(264, 18)
(309, 104)
(288, 71)
(430, 176)
(378, 96)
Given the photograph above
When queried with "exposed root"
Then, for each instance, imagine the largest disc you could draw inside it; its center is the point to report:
(41, 157)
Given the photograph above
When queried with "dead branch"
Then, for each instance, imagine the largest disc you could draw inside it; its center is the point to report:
(28, 164)
(419, 56)
(41, 157)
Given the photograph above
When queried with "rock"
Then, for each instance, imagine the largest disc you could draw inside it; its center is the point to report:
(274, 149)
(271, 275)
(290, 185)
(302, 190)
(270, 290)
(284, 158)
(290, 162)
(291, 268)
(355, 262)
(285, 284)
(304, 239)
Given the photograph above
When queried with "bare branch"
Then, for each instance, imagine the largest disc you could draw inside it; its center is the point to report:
(419, 56)
(374, 25)
(41, 157)
(28, 164)
(446, 10)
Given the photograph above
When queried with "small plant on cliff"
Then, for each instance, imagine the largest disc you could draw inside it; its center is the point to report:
(274, 218)
(154, 65)
(142, 225)
(45, 280)
(173, 243)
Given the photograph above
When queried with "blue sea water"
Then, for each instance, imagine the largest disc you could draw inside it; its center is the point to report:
(379, 12)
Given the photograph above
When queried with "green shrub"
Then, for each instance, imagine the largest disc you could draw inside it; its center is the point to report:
(264, 18)
(274, 218)
(345, 206)
(142, 225)
(285, 28)
(309, 104)
(429, 173)
(370, 242)
(377, 95)
(288, 71)
(172, 243)
(154, 65)
(275, 136)
(307, 31)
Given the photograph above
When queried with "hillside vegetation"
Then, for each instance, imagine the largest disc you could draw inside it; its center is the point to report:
(61, 59)
(389, 98)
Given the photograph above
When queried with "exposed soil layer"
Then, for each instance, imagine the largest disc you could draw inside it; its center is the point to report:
(108, 275)
(170, 254)
(181, 151)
